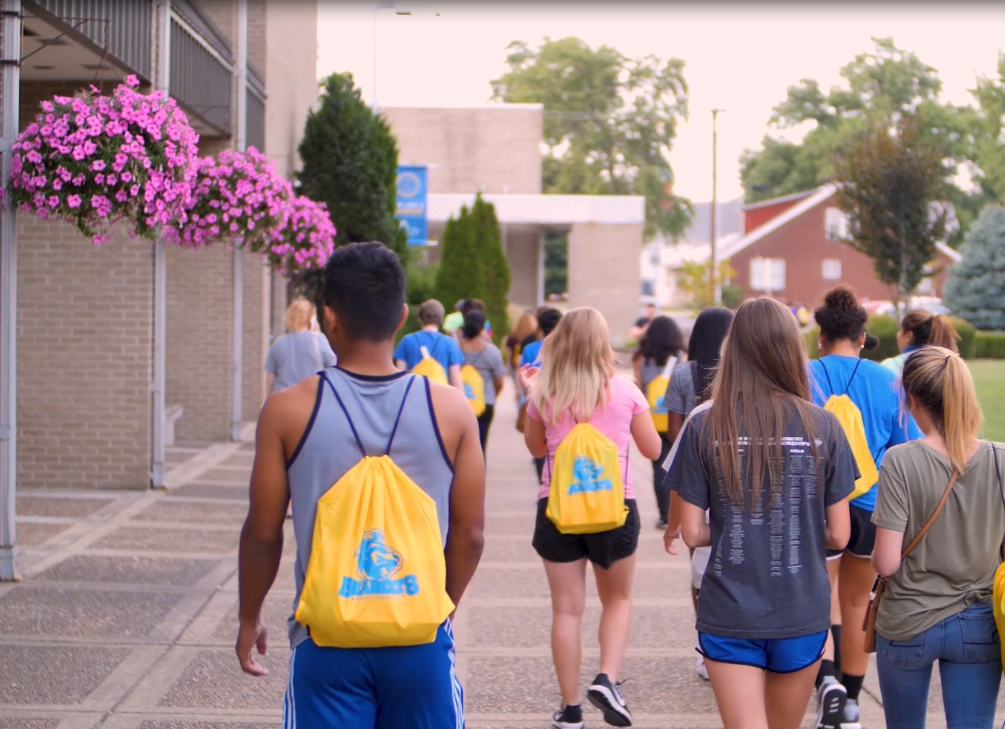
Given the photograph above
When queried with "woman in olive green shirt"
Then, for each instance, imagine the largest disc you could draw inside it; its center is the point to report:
(937, 604)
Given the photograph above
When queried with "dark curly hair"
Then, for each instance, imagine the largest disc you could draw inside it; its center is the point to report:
(663, 339)
(842, 316)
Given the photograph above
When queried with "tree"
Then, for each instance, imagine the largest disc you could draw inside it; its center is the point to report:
(488, 244)
(891, 185)
(975, 289)
(988, 138)
(350, 162)
(556, 264)
(881, 87)
(462, 270)
(609, 122)
(693, 281)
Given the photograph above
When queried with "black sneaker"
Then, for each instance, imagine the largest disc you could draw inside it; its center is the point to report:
(831, 700)
(607, 697)
(569, 717)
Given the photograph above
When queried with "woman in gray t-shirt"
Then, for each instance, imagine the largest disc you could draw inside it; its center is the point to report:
(298, 354)
(488, 360)
(938, 601)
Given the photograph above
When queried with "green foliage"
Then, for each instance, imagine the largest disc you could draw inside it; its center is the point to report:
(732, 296)
(350, 162)
(968, 337)
(975, 289)
(885, 329)
(462, 269)
(990, 345)
(556, 264)
(609, 122)
(812, 337)
(880, 87)
(488, 244)
(988, 139)
(693, 281)
(887, 186)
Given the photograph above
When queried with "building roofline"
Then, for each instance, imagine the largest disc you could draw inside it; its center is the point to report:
(951, 253)
(489, 106)
(777, 200)
(816, 197)
(545, 209)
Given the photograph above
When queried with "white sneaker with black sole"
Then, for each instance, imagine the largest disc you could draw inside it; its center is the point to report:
(831, 700)
(568, 717)
(607, 697)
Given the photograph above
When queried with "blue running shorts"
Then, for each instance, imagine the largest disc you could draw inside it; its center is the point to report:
(413, 687)
(781, 655)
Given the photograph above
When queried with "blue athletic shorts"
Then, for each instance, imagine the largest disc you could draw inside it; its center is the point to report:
(415, 687)
(782, 655)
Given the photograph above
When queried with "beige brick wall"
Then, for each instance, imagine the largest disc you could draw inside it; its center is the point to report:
(223, 14)
(291, 77)
(522, 252)
(257, 34)
(85, 353)
(200, 341)
(493, 149)
(255, 335)
(604, 272)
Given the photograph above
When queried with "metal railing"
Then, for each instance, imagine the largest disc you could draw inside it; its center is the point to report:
(201, 78)
(121, 26)
(255, 110)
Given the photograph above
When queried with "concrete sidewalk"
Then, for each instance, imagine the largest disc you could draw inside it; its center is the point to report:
(127, 615)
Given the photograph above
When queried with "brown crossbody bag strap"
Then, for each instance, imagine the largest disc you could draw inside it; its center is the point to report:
(869, 626)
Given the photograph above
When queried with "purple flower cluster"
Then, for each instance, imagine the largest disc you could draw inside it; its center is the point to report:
(308, 237)
(92, 160)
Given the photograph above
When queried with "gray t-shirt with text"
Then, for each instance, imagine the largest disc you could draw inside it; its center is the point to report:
(767, 576)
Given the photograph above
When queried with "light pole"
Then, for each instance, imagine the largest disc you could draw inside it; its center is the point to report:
(713, 274)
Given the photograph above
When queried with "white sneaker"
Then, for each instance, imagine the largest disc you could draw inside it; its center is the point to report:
(702, 671)
(832, 698)
(852, 715)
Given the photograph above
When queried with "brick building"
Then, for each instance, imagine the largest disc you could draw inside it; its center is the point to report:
(244, 71)
(793, 248)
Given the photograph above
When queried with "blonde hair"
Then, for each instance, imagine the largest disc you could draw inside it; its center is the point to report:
(577, 366)
(525, 325)
(940, 381)
(299, 315)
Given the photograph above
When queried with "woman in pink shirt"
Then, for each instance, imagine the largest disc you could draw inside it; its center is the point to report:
(576, 383)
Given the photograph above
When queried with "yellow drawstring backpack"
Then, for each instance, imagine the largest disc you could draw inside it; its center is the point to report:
(850, 417)
(998, 590)
(429, 367)
(655, 393)
(587, 492)
(474, 389)
(377, 575)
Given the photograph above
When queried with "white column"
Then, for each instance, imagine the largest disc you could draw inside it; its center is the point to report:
(8, 296)
(162, 82)
(241, 134)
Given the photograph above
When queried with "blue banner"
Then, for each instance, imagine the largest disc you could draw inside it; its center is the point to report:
(412, 188)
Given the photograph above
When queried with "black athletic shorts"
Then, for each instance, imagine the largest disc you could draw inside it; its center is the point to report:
(602, 549)
(863, 534)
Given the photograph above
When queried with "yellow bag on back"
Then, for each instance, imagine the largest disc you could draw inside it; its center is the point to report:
(474, 388)
(850, 417)
(430, 368)
(587, 492)
(377, 574)
(998, 591)
(655, 393)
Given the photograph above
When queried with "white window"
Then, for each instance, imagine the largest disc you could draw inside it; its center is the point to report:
(767, 274)
(832, 269)
(835, 224)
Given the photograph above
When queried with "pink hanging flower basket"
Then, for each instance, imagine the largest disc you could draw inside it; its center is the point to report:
(306, 239)
(93, 160)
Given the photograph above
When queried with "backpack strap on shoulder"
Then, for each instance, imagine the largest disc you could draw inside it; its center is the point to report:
(827, 375)
(348, 418)
(853, 373)
(401, 409)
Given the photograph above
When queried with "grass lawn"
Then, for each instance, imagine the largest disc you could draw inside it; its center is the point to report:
(989, 377)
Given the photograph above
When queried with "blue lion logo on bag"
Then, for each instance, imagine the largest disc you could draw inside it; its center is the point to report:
(469, 391)
(587, 477)
(377, 564)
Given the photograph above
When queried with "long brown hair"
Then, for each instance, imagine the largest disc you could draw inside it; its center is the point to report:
(941, 383)
(576, 366)
(928, 328)
(762, 378)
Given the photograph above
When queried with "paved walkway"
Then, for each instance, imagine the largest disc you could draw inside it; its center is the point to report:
(127, 614)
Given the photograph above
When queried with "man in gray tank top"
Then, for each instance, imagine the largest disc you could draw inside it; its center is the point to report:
(309, 436)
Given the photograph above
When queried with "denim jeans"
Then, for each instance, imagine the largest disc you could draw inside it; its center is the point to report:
(967, 649)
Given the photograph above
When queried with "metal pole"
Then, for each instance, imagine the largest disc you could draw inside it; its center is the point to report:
(241, 72)
(162, 82)
(713, 272)
(8, 296)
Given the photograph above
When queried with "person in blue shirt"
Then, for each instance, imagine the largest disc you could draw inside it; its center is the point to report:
(875, 391)
(441, 347)
(918, 328)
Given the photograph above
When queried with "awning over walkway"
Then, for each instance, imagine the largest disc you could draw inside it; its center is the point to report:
(559, 210)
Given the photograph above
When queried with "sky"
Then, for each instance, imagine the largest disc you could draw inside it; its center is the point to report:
(739, 58)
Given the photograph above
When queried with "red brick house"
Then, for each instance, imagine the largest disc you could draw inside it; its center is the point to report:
(792, 249)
